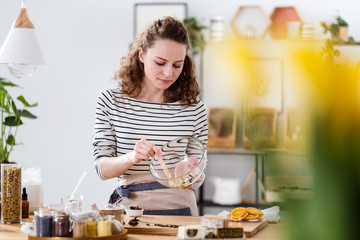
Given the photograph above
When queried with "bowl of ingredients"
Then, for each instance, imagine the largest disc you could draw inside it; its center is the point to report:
(181, 164)
(134, 211)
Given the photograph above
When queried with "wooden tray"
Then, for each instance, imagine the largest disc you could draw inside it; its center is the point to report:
(121, 236)
(250, 228)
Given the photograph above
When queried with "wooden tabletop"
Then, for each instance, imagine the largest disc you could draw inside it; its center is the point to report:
(273, 231)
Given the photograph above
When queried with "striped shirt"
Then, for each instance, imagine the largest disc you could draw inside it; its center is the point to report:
(122, 121)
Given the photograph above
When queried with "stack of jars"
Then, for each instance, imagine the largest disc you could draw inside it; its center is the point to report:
(76, 225)
(83, 226)
(52, 224)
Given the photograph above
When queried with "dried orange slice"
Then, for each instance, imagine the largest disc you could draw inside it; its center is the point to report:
(238, 213)
(254, 211)
(251, 217)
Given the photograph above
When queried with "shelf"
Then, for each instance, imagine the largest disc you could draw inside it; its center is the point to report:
(241, 151)
(284, 151)
(244, 203)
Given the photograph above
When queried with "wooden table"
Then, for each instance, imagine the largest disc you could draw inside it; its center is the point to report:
(275, 231)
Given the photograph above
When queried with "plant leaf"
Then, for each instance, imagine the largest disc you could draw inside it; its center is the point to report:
(13, 106)
(12, 121)
(10, 140)
(26, 113)
(6, 105)
(5, 82)
(26, 104)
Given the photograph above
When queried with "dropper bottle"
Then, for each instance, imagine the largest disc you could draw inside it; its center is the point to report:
(25, 204)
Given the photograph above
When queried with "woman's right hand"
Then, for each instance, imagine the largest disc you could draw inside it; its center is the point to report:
(143, 151)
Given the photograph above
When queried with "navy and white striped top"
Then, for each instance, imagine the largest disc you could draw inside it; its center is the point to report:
(122, 121)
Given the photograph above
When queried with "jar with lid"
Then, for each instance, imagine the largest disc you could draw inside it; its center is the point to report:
(62, 225)
(11, 193)
(91, 228)
(116, 211)
(44, 223)
(104, 226)
(79, 224)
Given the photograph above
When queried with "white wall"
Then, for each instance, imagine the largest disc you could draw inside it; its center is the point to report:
(83, 41)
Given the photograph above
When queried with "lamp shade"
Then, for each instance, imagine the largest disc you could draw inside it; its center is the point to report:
(21, 45)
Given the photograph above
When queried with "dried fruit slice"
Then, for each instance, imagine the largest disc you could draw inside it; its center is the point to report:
(254, 211)
(251, 217)
(238, 213)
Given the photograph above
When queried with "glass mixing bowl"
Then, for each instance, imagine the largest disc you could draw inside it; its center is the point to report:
(182, 163)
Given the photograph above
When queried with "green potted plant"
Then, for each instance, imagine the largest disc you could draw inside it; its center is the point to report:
(338, 30)
(196, 36)
(11, 118)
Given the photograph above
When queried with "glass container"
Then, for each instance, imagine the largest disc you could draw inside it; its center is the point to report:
(71, 204)
(62, 225)
(104, 226)
(79, 221)
(44, 223)
(11, 193)
(116, 211)
(182, 163)
(90, 228)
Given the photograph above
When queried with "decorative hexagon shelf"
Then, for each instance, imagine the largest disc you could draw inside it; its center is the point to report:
(250, 22)
(280, 17)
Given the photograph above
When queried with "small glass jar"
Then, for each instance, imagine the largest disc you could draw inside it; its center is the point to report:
(91, 228)
(44, 223)
(11, 193)
(117, 212)
(79, 228)
(62, 225)
(104, 226)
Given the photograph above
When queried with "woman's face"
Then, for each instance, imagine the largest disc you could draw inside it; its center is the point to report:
(163, 63)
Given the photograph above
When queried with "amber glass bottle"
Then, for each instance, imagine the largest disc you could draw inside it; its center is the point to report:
(24, 204)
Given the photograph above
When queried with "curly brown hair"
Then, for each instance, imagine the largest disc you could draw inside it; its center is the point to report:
(185, 89)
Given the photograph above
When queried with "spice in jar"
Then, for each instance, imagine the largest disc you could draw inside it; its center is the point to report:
(79, 224)
(79, 220)
(90, 228)
(79, 230)
(44, 223)
(104, 227)
(62, 225)
(11, 193)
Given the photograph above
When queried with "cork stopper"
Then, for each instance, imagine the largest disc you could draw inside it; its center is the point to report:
(23, 20)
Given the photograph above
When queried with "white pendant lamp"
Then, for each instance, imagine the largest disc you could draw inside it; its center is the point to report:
(21, 49)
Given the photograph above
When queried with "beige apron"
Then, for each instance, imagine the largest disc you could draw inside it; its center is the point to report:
(157, 199)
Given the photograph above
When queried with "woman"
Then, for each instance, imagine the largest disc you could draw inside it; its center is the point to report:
(156, 102)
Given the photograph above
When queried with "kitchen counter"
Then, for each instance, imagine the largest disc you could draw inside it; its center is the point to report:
(275, 231)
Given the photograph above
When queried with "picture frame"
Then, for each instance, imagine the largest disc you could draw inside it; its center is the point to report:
(267, 84)
(146, 13)
(222, 125)
(260, 125)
